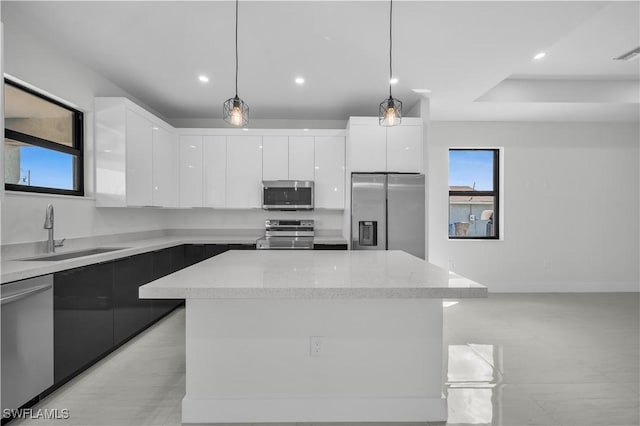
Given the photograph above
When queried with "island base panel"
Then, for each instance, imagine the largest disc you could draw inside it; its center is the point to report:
(251, 360)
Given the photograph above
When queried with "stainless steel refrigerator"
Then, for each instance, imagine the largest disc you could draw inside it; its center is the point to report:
(388, 212)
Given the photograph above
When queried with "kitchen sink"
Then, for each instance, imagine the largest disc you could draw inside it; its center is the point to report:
(73, 254)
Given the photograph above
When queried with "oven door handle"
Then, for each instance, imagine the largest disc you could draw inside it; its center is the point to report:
(23, 294)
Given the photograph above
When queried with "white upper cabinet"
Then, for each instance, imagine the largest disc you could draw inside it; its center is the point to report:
(139, 141)
(128, 140)
(215, 171)
(275, 158)
(368, 148)
(165, 168)
(404, 149)
(301, 157)
(329, 172)
(191, 175)
(375, 148)
(244, 172)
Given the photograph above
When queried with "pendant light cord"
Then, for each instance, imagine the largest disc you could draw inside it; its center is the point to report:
(390, 44)
(236, 48)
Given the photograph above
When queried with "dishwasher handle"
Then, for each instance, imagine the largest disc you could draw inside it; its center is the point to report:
(23, 294)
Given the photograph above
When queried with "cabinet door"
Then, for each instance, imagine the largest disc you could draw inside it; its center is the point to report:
(329, 172)
(162, 267)
(404, 149)
(301, 157)
(194, 253)
(275, 158)
(368, 148)
(139, 135)
(191, 179)
(244, 171)
(165, 170)
(82, 317)
(177, 258)
(131, 314)
(215, 170)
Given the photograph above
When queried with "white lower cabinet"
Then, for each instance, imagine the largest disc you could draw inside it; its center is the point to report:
(244, 172)
(329, 172)
(165, 168)
(215, 171)
(191, 175)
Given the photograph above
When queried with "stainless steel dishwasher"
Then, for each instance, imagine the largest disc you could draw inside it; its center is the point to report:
(27, 339)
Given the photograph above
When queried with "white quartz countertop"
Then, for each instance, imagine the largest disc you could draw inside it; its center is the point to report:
(14, 269)
(307, 274)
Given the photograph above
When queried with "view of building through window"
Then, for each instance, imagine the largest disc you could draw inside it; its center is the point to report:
(473, 193)
(43, 143)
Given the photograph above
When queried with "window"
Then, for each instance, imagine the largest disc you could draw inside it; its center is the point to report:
(42, 143)
(473, 193)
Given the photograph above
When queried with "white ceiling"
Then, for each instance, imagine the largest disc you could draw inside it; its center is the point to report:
(467, 54)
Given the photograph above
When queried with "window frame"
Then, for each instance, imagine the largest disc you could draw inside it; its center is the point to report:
(77, 135)
(495, 193)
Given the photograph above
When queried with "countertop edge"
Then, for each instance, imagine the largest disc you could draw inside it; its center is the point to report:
(311, 293)
(31, 269)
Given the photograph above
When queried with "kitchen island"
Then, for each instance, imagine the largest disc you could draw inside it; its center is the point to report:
(313, 336)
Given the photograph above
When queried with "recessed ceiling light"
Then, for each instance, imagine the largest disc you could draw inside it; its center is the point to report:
(394, 80)
(299, 80)
(203, 78)
(305, 130)
(540, 56)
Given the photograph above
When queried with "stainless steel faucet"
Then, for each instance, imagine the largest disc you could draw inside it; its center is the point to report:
(48, 224)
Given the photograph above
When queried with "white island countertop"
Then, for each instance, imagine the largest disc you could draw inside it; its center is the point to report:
(308, 274)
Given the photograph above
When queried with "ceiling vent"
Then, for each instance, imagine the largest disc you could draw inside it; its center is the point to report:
(630, 55)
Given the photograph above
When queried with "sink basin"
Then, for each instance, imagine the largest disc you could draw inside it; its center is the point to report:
(73, 254)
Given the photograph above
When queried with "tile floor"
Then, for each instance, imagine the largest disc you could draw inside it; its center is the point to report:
(511, 359)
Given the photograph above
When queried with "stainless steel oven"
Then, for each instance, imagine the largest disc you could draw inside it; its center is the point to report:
(287, 194)
(289, 234)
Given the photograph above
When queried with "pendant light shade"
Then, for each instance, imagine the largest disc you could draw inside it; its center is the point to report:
(234, 110)
(390, 110)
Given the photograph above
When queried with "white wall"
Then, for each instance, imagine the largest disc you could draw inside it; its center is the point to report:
(32, 60)
(247, 219)
(571, 203)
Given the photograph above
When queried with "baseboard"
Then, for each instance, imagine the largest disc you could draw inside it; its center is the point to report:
(565, 287)
(293, 410)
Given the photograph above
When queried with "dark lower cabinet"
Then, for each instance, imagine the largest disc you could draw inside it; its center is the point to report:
(194, 253)
(163, 264)
(130, 313)
(177, 258)
(82, 317)
(97, 307)
(329, 246)
(211, 250)
(241, 246)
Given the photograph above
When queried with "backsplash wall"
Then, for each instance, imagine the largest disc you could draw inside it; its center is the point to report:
(247, 219)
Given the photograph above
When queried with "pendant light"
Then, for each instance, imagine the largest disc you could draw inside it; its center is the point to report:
(390, 111)
(235, 111)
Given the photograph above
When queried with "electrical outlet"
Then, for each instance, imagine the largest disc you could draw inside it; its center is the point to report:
(315, 345)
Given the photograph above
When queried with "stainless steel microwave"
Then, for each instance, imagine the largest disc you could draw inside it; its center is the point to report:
(287, 194)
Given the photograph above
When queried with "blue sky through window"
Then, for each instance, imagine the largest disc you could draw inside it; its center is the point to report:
(468, 166)
(47, 168)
